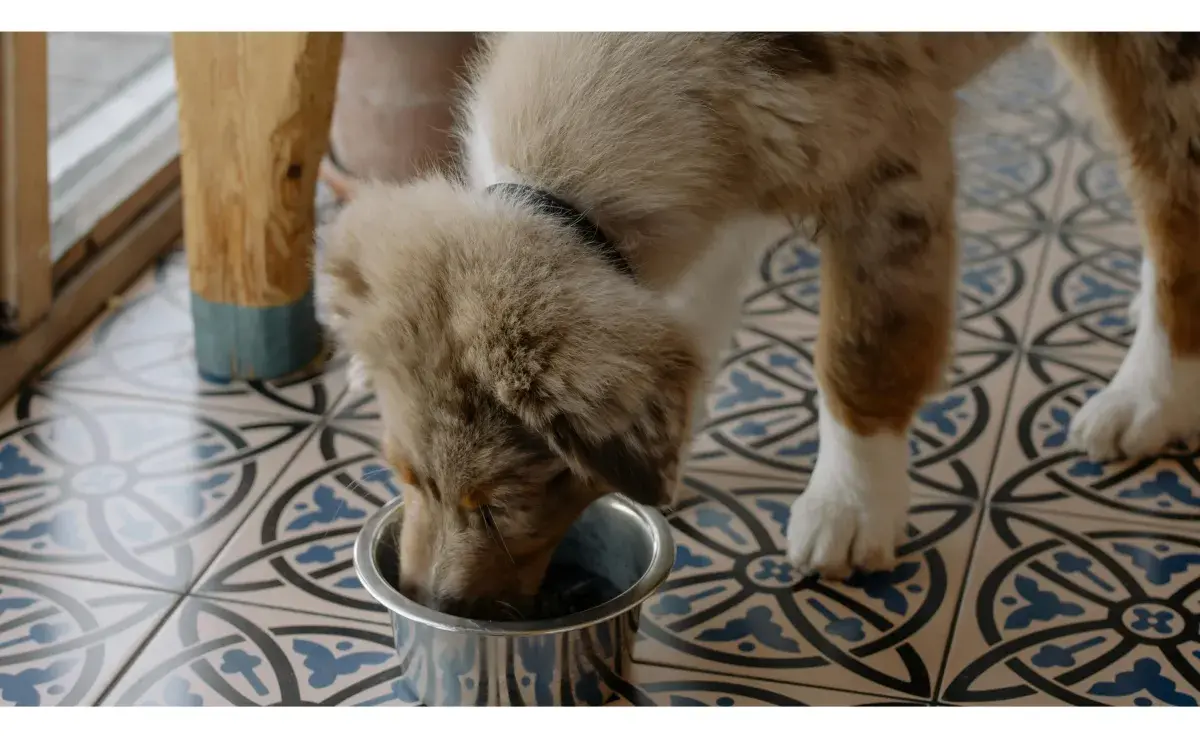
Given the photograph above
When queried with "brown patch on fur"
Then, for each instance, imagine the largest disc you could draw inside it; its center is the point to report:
(1173, 230)
(349, 276)
(912, 234)
(885, 63)
(795, 53)
(890, 170)
(953, 59)
(1180, 61)
(1188, 45)
(887, 276)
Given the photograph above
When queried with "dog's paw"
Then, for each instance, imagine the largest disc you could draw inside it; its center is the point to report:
(1151, 401)
(837, 527)
(1120, 422)
(1135, 417)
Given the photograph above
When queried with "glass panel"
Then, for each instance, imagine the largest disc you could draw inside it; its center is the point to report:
(113, 124)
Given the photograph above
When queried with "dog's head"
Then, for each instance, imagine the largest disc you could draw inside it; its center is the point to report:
(519, 378)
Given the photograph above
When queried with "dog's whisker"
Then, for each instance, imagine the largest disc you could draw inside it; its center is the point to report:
(511, 610)
(355, 485)
(490, 523)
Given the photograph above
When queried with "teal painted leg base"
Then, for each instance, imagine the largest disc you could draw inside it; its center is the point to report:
(236, 342)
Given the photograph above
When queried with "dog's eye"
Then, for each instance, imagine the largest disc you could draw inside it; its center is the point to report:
(403, 469)
(473, 499)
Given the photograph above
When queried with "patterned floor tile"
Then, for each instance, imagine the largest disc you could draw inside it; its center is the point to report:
(130, 490)
(1092, 267)
(762, 404)
(63, 639)
(1009, 186)
(652, 685)
(1069, 610)
(762, 412)
(296, 548)
(1027, 82)
(1038, 470)
(1014, 142)
(143, 347)
(786, 285)
(123, 465)
(219, 653)
(733, 605)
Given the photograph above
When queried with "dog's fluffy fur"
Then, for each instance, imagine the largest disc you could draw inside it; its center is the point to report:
(519, 376)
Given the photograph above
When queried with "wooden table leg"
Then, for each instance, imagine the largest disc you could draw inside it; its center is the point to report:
(254, 112)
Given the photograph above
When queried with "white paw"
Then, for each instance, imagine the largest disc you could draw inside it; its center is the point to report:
(834, 530)
(1140, 412)
(1122, 422)
(853, 513)
(1151, 400)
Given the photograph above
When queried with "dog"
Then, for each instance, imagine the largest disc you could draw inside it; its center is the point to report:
(540, 329)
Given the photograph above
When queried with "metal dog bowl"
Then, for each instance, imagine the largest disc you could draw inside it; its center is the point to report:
(573, 660)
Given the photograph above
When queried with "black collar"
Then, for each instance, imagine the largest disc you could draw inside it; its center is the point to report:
(583, 226)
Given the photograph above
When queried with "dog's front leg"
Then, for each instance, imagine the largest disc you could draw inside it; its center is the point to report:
(888, 265)
(1149, 89)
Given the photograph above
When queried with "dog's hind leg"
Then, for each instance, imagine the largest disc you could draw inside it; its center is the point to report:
(888, 261)
(1148, 87)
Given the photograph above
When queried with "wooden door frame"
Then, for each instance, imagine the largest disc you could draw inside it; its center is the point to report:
(51, 303)
(26, 268)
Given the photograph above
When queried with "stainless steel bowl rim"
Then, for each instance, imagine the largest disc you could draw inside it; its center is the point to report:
(661, 561)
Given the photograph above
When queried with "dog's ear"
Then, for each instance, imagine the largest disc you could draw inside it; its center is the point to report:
(603, 369)
(623, 418)
(635, 451)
